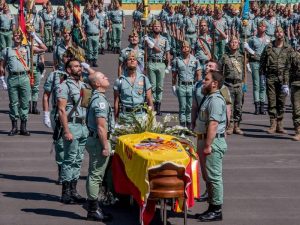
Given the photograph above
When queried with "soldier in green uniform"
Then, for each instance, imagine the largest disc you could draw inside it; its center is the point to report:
(211, 145)
(186, 71)
(190, 28)
(100, 123)
(75, 132)
(295, 91)
(232, 66)
(61, 48)
(7, 25)
(255, 47)
(58, 25)
(102, 16)
(131, 91)
(117, 25)
(48, 18)
(92, 28)
(16, 60)
(158, 57)
(133, 46)
(274, 64)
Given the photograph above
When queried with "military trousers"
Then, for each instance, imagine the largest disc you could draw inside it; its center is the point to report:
(58, 144)
(18, 93)
(276, 99)
(236, 95)
(48, 36)
(125, 117)
(97, 167)
(102, 41)
(191, 39)
(185, 98)
(295, 99)
(74, 152)
(5, 39)
(259, 85)
(156, 74)
(212, 167)
(220, 49)
(35, 88)
(92, 47)
(116, 34)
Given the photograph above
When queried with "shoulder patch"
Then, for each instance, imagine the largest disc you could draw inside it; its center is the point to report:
(102, 105)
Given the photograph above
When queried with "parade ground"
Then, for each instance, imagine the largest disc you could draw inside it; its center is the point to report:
(261, 171)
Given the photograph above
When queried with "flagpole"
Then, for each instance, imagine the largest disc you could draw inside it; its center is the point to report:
(214, 33)
(144, 22)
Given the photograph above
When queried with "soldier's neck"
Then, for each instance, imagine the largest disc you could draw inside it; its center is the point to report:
(131, 73)
(261, 34)
(101, 89)
(279, 43)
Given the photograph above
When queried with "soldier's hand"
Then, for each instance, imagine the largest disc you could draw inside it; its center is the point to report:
(68, 136)
(3, 83)
(47, 121)
(207, 150)
(174, 90)
(285, 90)
(105, 152)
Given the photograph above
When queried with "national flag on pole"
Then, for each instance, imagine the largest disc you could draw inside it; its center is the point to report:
(246, 10)
(22, 21)
(76, 33)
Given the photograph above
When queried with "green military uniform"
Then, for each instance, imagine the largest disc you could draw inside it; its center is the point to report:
(58, 52)
(51, 85)
(73, 150)
(295, 91)
(37, 22)
(68, 23)
(18, 81)
(132, 96)
(186, 77)
(139, 54)
(156, 66)
(99, 108)
(259, 89)
(6, 26)
(220, 42)
(271, 26)
(190, 26)
(116, 18)
(48, 32)
(57, 29)
(212, 108)
(92, 28)
(274, 63)
(203, 49)
(102, 16)
(232, 65)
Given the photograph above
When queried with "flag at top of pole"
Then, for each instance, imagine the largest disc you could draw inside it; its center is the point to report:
(22, 21)
(246, 10)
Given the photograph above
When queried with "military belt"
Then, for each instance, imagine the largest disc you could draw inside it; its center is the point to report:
(18, 73)
(116, 22)
(93, 34)
(191, 32)
(233, 81)
(77, 120)
(95, 134)
(156, 60)
(5, 30)
(48, 25)
(186, 82)
(202, 136)
(133, 109)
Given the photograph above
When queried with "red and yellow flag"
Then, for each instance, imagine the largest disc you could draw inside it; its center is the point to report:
(22, 21)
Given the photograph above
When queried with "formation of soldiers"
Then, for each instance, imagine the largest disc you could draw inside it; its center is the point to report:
(186, 41)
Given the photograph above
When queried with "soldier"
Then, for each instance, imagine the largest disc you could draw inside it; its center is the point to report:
(133, 46)
(186, 71)
(295, 91)
(272, 22)
(17, 62)
(92, 28)
(102, 16)
(274, 64)
(232, 66)
(158, 57)
(48, 18)
(58, 24)
(117, 25)
(131, 91)
(211, 144)
(255, 47)
(100, 123)
(75, 132)
(190, 28)
(68, 20)
(7, 25)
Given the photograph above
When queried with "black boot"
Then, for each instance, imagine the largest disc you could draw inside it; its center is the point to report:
(158, 109)
(262, 108)
(14, 128)
(102, 51)
(34, 108)
(66, 193)
(203, 197)
(59, 180)
(77, 198)
(95, 213)
(95, 63)
(188, 125)
(29, 111)
(256, 112)
(199, 215)
(155, 107)
(215, 214)
(23, 129)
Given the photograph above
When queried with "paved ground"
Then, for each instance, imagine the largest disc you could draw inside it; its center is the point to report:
(261, 173)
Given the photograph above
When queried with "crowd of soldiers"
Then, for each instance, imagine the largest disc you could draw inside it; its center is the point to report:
(209, 53)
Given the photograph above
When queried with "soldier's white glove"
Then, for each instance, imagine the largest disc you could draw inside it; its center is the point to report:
(248, 68)
(226, 40)
(47, 121)
(85, 65)
(36, 38)
(285, 90)
(3, 83)
(174, 90)
(247, 47)
(168, 69)
(149, 42)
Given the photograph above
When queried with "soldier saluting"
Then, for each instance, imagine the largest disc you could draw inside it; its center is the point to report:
(16, 60)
